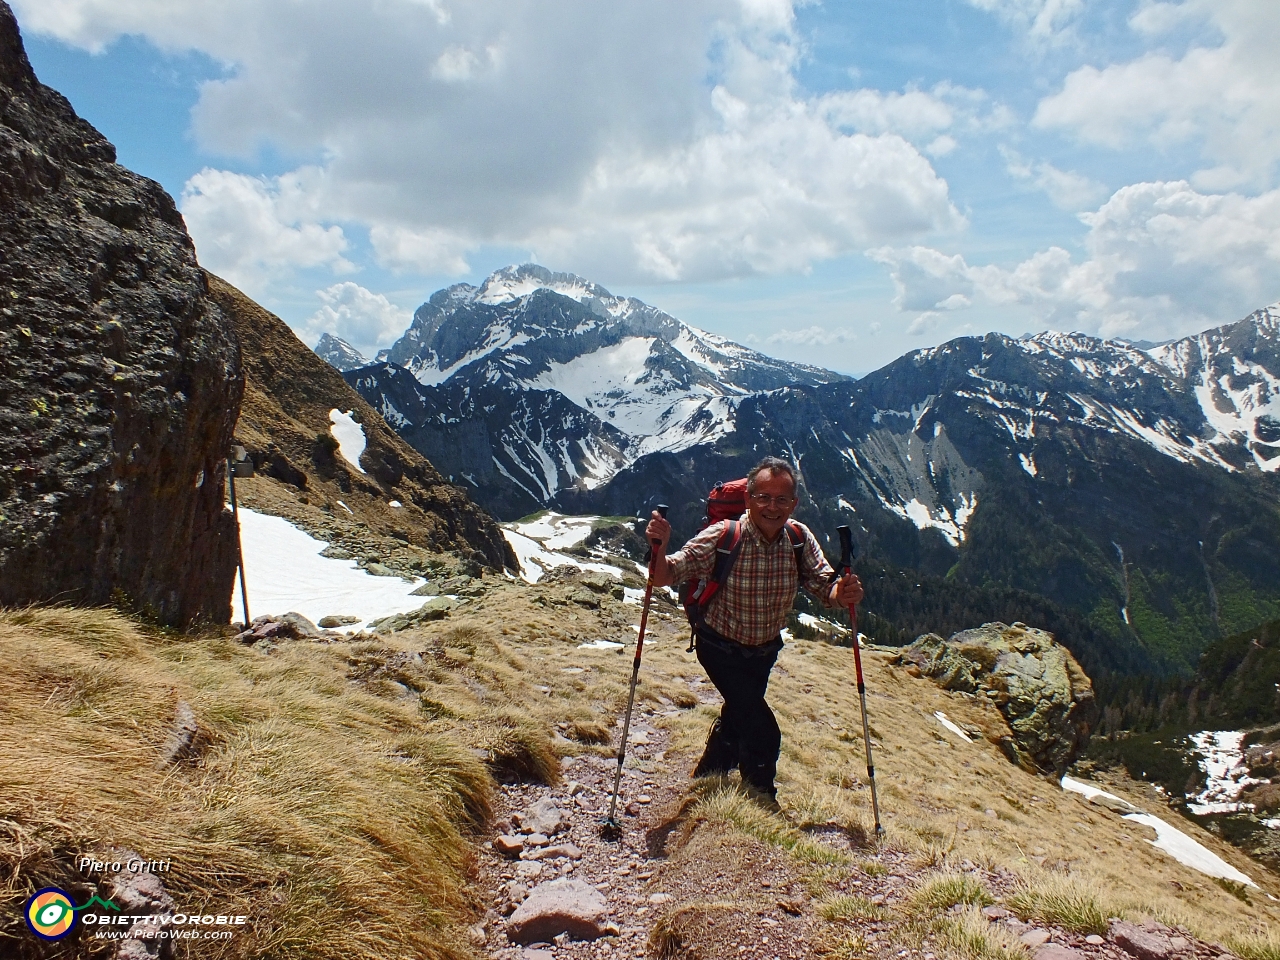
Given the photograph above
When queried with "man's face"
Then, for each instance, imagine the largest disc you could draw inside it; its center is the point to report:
(771, 515)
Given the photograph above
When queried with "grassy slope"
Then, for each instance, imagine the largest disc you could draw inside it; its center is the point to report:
(341, 787)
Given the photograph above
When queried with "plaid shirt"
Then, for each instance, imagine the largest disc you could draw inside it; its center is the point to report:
(752, 604)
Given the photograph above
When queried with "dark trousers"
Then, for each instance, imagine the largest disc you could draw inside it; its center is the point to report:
(746, 736)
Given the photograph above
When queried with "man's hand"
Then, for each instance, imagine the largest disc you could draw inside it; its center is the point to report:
(659, 529)
(659, 533)
(847, 591)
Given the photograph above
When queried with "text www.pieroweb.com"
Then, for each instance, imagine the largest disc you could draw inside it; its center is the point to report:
(164, 935)
(179, 926)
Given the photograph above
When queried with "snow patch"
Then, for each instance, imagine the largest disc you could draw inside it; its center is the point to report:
(952, 526)
(1028, 463)
(1187, 851)
(556, 531)
(350, 436)
(285, 572)
(535, 561)
(499, 338)
(1226, 773)
(950, 725)
(1169, 838)
(600, 645)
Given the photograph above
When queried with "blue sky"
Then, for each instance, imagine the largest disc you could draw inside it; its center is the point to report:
(836, 183)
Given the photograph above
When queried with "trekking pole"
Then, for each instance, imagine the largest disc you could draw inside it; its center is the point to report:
(846, 566)
(611, 829)
(235, 514)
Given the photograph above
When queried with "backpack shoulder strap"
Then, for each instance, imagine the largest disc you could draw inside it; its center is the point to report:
(727, 549)
(797, 538)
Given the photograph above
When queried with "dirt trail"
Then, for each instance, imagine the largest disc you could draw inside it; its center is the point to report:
(732, 894)
(714, 893)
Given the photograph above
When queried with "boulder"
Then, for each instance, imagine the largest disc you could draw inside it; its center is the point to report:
(121, 378)
(564, 906)
(598, 581)
(436, 608)
(338, 620)
(543, 816)
(1044, 696)
(303, 628)
(140, 893)
(1140, 943)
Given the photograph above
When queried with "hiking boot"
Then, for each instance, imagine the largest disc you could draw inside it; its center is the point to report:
(766, 797)
(758, 779)
(719, 757)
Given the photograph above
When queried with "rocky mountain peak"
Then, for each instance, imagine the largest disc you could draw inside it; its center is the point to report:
(516, 281)
(339, 354)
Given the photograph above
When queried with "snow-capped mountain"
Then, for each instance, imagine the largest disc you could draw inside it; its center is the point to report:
(1133, 484)
(1135, 487)
(339, 354)
(555, 383)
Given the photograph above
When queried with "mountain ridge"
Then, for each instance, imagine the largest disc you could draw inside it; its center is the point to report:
(1133, 486)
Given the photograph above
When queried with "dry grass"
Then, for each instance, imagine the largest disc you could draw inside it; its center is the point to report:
(328, 815)
(944, 801)
(1262, 944)
(673, 934)
(339, 784)
(723, 802)
(1067, 901)
(944, 890)
(968, 934)
(849, 907)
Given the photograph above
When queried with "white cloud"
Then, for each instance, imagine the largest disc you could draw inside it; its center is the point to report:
(926, 323)
(685, 151)
(428, 251)
(1221, 98)
(366, 320)
(1163, 261)
(250, 229)
(916, 115)
(941, 146)
(814, 336)
(1068, 190)
(1041, 20)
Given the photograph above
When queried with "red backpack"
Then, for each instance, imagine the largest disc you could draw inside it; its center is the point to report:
(726, 501)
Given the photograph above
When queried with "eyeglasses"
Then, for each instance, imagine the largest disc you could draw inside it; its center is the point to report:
(763, 500)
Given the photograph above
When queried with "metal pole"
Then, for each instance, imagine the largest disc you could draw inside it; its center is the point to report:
(235, 513)
(846, 566)
(612, 829)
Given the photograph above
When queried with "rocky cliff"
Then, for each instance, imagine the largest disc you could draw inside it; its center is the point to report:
(287, 429)
(120, 378)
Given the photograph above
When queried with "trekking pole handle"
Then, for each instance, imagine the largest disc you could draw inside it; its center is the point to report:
(662, 509)
(848, 552)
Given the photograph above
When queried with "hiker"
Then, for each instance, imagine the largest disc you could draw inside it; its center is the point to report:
(739, 638)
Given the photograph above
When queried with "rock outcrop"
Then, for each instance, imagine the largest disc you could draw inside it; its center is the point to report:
(120, 379)
(1036, 684)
